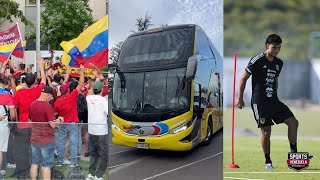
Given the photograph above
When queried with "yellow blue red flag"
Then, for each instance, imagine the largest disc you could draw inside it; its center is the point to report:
(13, 36)
(6, 51)
(91, 46)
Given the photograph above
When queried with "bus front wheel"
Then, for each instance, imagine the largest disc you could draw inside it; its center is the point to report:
(209, 133)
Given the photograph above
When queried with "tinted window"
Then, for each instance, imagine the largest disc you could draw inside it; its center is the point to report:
(169, 46)
(202, 45)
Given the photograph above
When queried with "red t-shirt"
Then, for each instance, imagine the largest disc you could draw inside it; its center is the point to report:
(105, 90)
(66, 106)
(23, 98)
(41, 111)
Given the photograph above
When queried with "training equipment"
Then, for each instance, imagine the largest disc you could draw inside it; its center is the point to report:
(233, 96)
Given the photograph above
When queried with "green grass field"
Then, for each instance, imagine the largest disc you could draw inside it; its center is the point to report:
(249, 155)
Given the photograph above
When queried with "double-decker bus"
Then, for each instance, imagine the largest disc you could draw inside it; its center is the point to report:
(167, 90)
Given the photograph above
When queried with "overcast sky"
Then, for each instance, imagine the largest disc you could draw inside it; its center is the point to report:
(208, 14)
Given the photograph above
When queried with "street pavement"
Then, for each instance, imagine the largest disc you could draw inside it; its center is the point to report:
(203, 162)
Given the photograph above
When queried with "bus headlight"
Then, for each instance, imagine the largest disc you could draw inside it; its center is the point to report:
(115, 127)
(179, 129)
(182, 127)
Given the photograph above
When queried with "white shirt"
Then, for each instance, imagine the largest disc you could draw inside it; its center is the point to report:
(97, 115)
(4, 122)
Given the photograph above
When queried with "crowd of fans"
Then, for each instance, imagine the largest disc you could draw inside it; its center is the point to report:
(53, 116)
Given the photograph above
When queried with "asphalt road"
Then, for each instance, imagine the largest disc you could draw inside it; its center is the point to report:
(204, 162)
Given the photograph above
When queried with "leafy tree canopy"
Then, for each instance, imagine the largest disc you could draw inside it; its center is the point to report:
(63, 20)
(9, 9)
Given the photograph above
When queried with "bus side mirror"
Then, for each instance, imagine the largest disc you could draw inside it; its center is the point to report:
(197, 105)
(203, 58)
(191, 68)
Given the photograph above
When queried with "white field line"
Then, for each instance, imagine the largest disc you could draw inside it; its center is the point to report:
(271, 172)
(241, 178)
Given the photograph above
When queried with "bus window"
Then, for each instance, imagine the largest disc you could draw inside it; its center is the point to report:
(202, 46)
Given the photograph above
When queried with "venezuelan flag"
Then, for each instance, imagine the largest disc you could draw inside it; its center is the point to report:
(5, 51)
(5, 97)
(19, 50)
(91, 46)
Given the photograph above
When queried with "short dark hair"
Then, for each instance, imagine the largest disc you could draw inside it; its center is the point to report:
(273, 39)
(96, 91)
(57, 78)
(22, 66)
(30, 79)
(73, 85)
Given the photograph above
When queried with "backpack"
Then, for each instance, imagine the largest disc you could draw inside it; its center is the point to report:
(7, 112)
(76, 173)
(56, 174)
(82, 103)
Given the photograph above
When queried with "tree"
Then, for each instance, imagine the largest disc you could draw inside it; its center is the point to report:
(114, 53)
(9, 9)
(144, 22)
(64, 20)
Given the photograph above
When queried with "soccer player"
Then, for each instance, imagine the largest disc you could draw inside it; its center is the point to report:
(267, 108)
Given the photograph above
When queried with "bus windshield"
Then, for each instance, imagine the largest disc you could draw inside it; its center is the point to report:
(166, 46)
(151, 92)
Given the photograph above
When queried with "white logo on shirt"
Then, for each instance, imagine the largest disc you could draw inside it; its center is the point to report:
(265, 66)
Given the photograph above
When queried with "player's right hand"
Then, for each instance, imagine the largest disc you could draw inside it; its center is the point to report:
(240, 103)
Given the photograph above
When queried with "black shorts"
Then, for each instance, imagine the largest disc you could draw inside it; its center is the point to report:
(268, 113)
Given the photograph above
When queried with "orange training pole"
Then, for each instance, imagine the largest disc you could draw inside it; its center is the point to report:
(233, 97)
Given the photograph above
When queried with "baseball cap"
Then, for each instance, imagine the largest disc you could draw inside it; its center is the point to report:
(48, 90)
(30, 78)
(97, 85)
(64, 87)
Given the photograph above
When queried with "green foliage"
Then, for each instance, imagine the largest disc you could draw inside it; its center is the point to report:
(248, 23)
(10, 9)
(64, 20)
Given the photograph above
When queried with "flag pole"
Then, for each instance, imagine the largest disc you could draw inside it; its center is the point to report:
(12, 51)
(38, 54)
(24, 60)
(233, 165)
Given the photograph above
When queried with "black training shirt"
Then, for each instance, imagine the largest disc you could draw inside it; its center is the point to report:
(264, 73)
